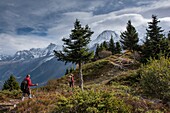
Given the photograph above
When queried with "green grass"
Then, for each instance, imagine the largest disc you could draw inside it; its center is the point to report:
(6, 95)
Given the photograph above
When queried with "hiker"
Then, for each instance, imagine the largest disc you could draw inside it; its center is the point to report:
(25, 87)
(71, 81)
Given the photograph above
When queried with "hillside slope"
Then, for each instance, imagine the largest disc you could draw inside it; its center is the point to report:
(98, 97)
(101, 71)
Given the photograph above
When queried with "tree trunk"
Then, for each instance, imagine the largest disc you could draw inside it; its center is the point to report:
(81, 76)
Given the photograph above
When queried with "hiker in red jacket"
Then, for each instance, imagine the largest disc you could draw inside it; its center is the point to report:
(27, 90)
(71, 81)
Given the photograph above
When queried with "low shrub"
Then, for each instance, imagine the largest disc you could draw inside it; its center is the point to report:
(130, 78)
(6, 94)
(92, 102)
(155, 78)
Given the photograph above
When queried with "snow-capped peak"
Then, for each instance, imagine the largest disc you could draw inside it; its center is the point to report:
(4, 57)
(31, 54)
(22, 55)
(41, 52)
(106, 36)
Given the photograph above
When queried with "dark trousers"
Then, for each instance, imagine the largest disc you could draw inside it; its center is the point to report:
(71, 84)
(28, 92)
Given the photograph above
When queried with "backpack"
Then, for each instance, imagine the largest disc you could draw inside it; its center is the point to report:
(24, 85)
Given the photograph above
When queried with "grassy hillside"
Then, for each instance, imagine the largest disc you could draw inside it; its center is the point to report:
(111, 86)
(100, 71)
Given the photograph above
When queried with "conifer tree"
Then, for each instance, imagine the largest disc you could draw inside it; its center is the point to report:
(105, 45)
(169, 35)
(155, 42)
(101, 47)
(118, 48)
(75, 47)
(11, 84)
(168, 40)
(129, 38)
(97, 51)
(112, 45)
(71, 69)
(67, 71)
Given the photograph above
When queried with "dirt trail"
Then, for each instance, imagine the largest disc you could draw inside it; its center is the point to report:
(7, 106)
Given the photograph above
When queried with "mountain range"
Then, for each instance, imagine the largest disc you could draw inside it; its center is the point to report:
(41, 63)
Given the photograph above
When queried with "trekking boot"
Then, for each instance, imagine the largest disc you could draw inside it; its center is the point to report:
(22, 98)
(30, 96)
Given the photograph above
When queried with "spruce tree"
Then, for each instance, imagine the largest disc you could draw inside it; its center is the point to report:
(11, 84)
(67, 71)
(168, 40)
(169, 35)
(97, 51)
(112, 45)
(155, 42)
(129, 38)
(118, 48)
(105, 45)
(101, 47)
(75, 47)
(71, 69)
(146, 50)
(154, 32)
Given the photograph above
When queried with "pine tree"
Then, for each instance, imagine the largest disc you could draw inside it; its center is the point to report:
(67, 71)
(168, 40)
(112, 45)
(154, 32)
(146, 50)
(129, 38)
(11, 84)
(101, 47)
(97, 51)
(75, 47)
(169, 35)
(105, 45)
(118, 48)
(155, 42)
(71, 69)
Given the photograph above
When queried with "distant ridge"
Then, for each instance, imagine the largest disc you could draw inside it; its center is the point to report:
(40, 63)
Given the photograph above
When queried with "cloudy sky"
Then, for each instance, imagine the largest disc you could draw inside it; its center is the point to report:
(25, 24)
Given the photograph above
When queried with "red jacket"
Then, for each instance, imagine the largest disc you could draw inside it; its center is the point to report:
(29, 82)
(72, 79)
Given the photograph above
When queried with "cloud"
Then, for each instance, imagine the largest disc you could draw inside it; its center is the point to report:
(159, 7)
(97, 23)
(9, 44)
(32, 13)
(39, 22)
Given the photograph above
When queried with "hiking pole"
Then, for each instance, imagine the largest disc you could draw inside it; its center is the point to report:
(36, 92)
